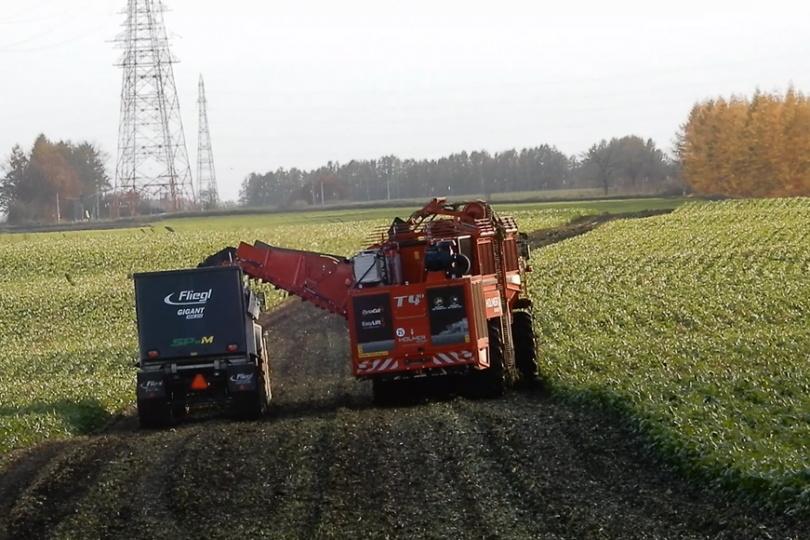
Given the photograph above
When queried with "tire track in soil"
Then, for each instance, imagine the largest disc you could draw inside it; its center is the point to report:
(130, 491)
(19, 470)
(610, 480)
(54, 494)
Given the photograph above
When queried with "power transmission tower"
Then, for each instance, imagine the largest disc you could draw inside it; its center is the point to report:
(206, 176)
(153, 165)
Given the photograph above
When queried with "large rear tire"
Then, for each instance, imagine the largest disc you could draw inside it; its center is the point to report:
(386, 393)
(490, 383)
(525, 341)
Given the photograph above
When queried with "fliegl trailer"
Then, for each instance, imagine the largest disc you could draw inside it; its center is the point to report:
(199, 344)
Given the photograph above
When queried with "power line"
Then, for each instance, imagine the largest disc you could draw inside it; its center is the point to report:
(662, 94)
(76, 13)
(27, 11)
(545, 82)
(58, 44)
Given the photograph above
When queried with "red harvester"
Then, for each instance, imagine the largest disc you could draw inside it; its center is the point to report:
(440, 294)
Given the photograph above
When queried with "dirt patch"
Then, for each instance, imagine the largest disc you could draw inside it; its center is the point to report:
(582, 225)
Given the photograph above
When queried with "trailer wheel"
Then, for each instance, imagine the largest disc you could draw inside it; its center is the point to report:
(525, 341)
(154, 414)
(490, 383)
(251, 405)
(179, 411)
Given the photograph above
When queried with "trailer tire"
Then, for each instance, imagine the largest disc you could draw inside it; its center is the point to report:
(179, 411)
(154, 414)
(525, 341)
(251, 405)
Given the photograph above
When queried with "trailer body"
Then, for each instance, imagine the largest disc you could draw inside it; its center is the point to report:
(199, 343)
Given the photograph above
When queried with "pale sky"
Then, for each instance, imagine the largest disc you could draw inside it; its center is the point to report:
(299, 83)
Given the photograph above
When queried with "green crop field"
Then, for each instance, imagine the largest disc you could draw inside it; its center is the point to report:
(693, 324)
(696, 325)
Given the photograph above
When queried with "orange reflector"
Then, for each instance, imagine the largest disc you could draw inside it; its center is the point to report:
(199, 382)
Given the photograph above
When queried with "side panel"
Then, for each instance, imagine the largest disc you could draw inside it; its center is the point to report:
(447, 313)
(373, 324)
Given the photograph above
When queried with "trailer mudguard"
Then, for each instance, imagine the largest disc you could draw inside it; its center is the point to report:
(242, 377)
(151, 384)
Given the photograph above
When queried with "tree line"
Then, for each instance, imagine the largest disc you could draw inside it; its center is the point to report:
(757, 147)
(736, 147)
(629, 163)
(54, 181)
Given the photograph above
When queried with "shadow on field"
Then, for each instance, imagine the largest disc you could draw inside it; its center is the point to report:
(81, 416)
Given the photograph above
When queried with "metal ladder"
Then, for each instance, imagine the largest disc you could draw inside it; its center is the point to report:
(506, 320)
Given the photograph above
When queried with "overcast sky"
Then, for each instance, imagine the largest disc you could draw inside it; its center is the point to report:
(300, 82)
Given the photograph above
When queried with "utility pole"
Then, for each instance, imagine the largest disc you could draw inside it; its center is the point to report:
(206, 176)
(153, 165)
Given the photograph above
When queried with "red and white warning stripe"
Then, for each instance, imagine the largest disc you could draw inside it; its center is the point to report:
(389, 364)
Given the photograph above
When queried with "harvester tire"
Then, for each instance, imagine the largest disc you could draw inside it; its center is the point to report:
(385, 393)
(154, 414)
(525, 341)
(490, 383)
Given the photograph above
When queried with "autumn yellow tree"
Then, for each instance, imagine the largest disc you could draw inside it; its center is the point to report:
(755, 147)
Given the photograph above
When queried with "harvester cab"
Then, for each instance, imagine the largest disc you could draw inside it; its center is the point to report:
(439, 294)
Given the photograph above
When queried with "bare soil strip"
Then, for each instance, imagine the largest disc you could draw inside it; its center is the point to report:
(584, 224)
(327, 464)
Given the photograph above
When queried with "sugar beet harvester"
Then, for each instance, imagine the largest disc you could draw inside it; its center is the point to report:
(199, 343)
(439, 294)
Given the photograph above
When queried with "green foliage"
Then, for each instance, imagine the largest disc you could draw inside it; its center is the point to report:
(630, 162)
(695, 324)
(54, 181)
(635, 166)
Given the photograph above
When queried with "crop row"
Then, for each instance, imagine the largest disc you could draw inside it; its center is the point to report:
(694, 323)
